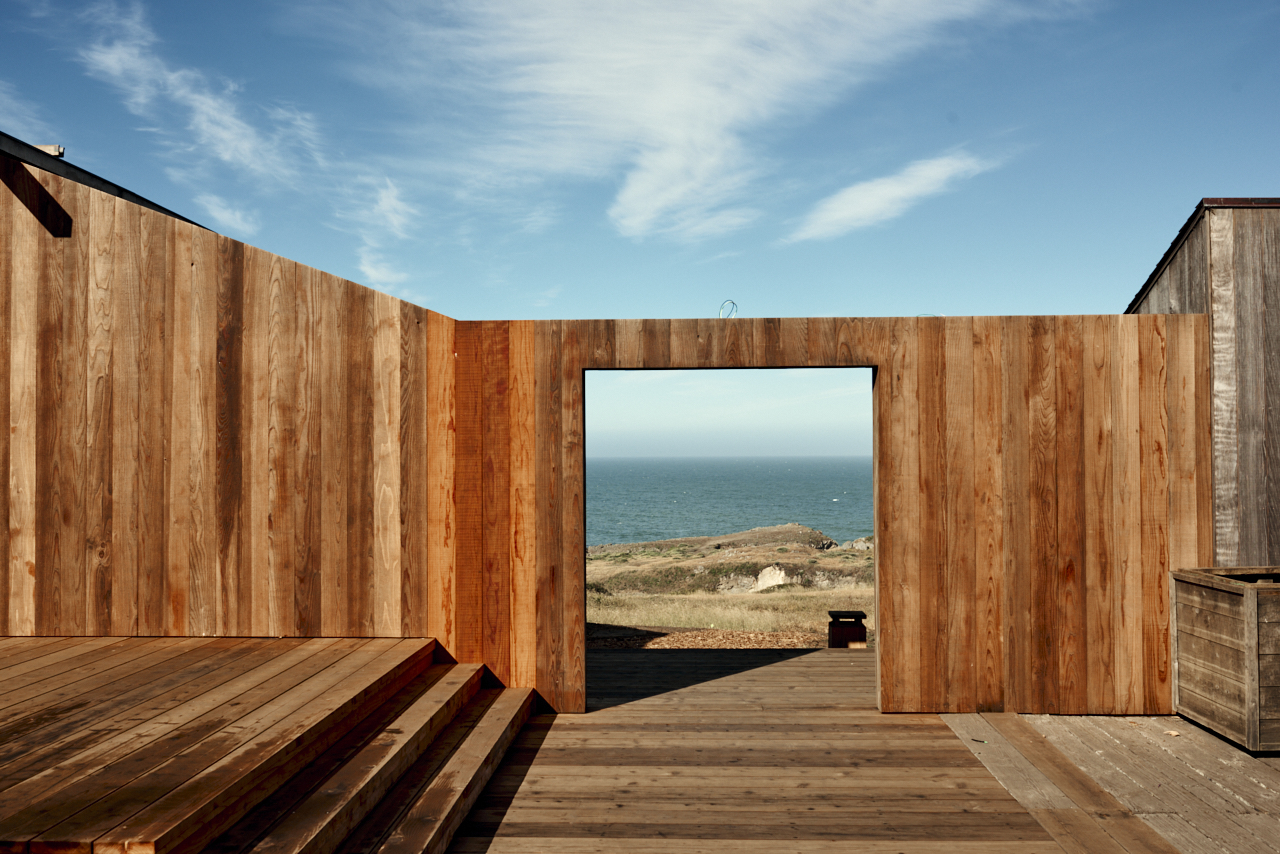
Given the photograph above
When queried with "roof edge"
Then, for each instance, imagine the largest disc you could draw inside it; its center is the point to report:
(1202, 206)
(32, 156)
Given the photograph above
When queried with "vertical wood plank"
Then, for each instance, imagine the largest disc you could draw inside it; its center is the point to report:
(573, 542)
(655, 343)
(229, 439)
(281, 448)
(794, 334)
(98, 417)
(202, 372)
(256, 587)
(155, 259)
(126, 440)
(1015, 344)
(684, 343)
(898, 548)
(602, 344)
(1072, 639)
(1127, 509)
(307, 477)
(733, 343)
(548, 466)
(1205, 549)
(708, 338)
(1181, 396)
(335, 459)
(441, 460)
(988, 486)
(178, 433)
(767, 337)
(50, 581)
(1196, 248)
(386, 467)
(822, 342)
(1042, 494)
(1268, 224)
(8, 205)
(960, 590)
(468, 338)
(415, 474)
(629, 343)
(524, 500)
(361, 411)
(25, 245)
(1251, 399)
(1225, 396)
(1099, 519)
(933, 490)
(1153, 427)
(495, 480)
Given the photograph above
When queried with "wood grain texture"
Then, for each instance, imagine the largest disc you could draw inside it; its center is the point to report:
(241, 445)
(1225, 394)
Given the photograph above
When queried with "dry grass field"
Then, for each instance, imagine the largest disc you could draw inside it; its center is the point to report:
(778, 580)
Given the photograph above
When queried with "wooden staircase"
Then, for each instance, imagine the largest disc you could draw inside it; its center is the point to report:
(244, 745)
(402, 780)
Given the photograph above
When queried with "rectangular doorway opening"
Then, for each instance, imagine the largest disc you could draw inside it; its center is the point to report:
(727, 509)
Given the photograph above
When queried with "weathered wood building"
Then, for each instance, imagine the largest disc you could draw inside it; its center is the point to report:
(206, 439)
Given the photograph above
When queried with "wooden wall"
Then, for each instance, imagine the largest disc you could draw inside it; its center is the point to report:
(1037, 477)
(1227, 265)
(205, 438)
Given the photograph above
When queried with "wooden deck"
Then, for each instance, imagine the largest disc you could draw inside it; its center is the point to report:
(749, 750)
(235, 745)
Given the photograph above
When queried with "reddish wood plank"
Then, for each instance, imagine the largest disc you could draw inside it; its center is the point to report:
(415, 453)
(442, 499)
(767, 337)
(1099, 520)
(8, 171)
(385, 467)
(359, 375)
(822, 342)
(98, 414)
(1153, 421)
(176, 598)
(1043, 476)
(548, 466)
(258, 588)
(524, 502)
(961, 592)
(655, 343)
(469, 589)
(573, 545)
(1126, 489)
(628, 343)
(733, 343)
(988, 485)
(1016, 339)
(281, 448)
(126, 435)
(155, 262)
(206, 569)
(307, 471)
(794, 334)
(495, 489)
(932, 587)
(1072, 638)
(684, 343)
(335, 456)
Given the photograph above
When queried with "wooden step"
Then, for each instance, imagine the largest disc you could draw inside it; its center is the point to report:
(195, 777)
(423, 811)
(320, 806)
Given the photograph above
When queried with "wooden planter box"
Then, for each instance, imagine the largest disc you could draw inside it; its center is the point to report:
(1226, 652)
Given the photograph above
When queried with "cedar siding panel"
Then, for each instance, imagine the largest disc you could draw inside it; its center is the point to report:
(240, 445)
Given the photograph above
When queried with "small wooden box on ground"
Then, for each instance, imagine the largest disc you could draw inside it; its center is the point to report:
(1226, 652)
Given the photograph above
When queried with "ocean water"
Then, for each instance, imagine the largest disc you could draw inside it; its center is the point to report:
(637, 499)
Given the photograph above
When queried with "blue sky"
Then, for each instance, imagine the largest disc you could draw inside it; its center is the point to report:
(576, 158)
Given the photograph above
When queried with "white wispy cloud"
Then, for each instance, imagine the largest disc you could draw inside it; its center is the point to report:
(125, 55)
(663, 96)
(386, 218)
(870, 202)
(236, 222)
(21, 118)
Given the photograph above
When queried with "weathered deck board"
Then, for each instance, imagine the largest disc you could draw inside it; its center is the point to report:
(1200, 792)
(753, 750)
